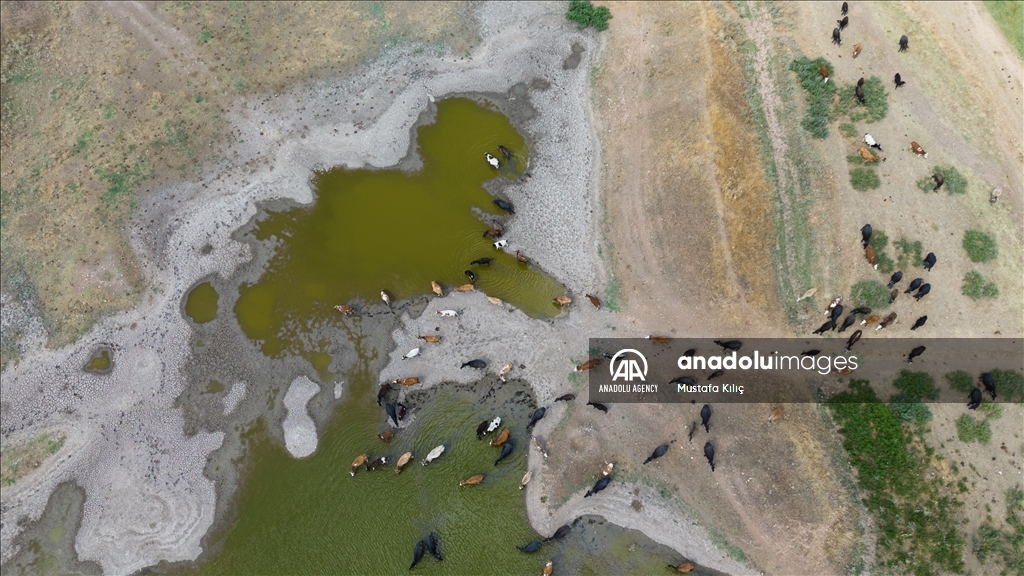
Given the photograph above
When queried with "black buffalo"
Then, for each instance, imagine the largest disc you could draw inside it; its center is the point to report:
(658, 453)
(895, 279)
(914, 285)
(601, 485)
(417, 553)
(919, 322)
(853, 339)
(530, 548)
(843, 23)
(836, 37)
(559, 534)
(975, 399)
(923, 291)
(432, 544)
(599, 406)
(915, 353)
(729, 344)
(898, 81)
(504, 205)
(865, 235)
(537, 415)
(904, 43)
(506, 450)
(848, 322)
(705, 417)
(709, 453)
(825, 327)
(477, 363)
(929, 261)
(989, 383)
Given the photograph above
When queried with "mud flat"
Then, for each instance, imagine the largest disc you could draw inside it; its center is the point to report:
(146, 497)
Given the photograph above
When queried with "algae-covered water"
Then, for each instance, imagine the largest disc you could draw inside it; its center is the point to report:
(201, 303)
(371, 230)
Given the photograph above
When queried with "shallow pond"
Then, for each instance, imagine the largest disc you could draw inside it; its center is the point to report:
(201, 303)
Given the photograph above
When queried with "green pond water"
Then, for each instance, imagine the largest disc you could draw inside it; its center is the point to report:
(100, 361)
(372, 230)
(201, 303)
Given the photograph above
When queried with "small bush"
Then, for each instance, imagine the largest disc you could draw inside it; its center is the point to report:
(875, 107)
(863, 179)
(884, 263)
(584, 14)
(856, 160)
(819, 94)
(1009, 384)
(960, 381)
(879, 240)
(976, 288)
(980, 247)
(955, 183)
(908, 253)
(917, 385)
(926, 184)
(970, 430)
(871, 293)
(848, 130)
(991, 410)
(908, 409)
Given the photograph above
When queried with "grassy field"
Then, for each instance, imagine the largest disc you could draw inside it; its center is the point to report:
(1009, 15)
(17, 461)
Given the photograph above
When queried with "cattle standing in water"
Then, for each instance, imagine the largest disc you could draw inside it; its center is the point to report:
(477, 363)
(853, 339)
(989, 383)
(892, 295)
(386, 435)
(929, 261)
(537, 415)
(848, 322)
(865, 234)
(417, 554)
(377, 463)
(492, 233)
(505, 152)
(904, 43)
(709, 453)
(402, 462)
(836, 37)
(897, 80)
(565, 398)
(687, 567)
(599, 406)
(504, 205)
(530, 548)
(920, 322)
(344, 309)
(885, 323)
(923, 291)
(914, 285)
(433, 454)
(730, 344)
(705, 418)
(526, 479)
(915, 353)
(549, 567)
(563, 300)
(482, 261)
(825, 327)
(870, 141)
(382, 393)
(506, 450)
(859, 93)
(432, 544)
(843, 23)
(601, 485)
(482, 429)
(472, 480)
(494, 424)
(389, 408)
(502, 437)
(836, 313)
(895, 279)
(918, 150)
(975, 399)
(562, 532)
(939, 180)
(521, 258)
(359, 461)
(658, 453)
(491, 160)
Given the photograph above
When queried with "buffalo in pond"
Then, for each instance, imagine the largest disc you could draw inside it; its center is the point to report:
(506, 450)
(836, 37)
(505, 152)
(920, 322)
(904, 43)
(390, 409)
(989, 383)
(560, 533)
(530, 548)
(709, 453)
(914, 285)
(477, 363)
(417, 553)
(658, 453)
(923, 291)
(865, 235)
(599, 406)
(482, 261)
(929, 261)
(895, 279)
(730, 344)
(914, 354)
(432, 544)
(469, 274)
(975, 399)
(504, 205)
(601, 485)
(705, 418)
(482, 429)
(383, 392)
(898, 81)
(537, 415)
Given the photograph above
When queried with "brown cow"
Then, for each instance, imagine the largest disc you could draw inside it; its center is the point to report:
(359, 461)
(563, 300)
(522, 258)
(344, 309)
(824, 73)
(869, 253)
(918, 150)
(867, 155)
(594, 300)
(403, 461)
(412, 381)
(588, 364)
(869, 320)
(502, 437)
(436, 288)
(472, 480)
(659, 339)
(776, 414)
(430, 338)
(893, 295)
(466, 288)
(856, 50)
(386, 435)
(888, 320)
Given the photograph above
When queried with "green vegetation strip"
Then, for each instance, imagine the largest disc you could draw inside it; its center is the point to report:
(864, 179)
(17, 461)
(874, 108)
(819, 94)
(1008, 545)
(1010, 18)
(585, 14)
(976, 287)
(879, 240)
(916, 521)
(870, 293)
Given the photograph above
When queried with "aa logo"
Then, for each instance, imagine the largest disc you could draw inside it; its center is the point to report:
(624, 366)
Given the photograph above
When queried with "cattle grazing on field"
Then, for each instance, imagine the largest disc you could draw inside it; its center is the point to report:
(904, 43)
(709, 453)
(923, 291)
(939, 181)
(705, 417)
(853, 339)
(870, 141)
(897, 80)
(918, 150)
(859, 92)
(823, 71)
(836, 313)
(914, 354)
(836, 37)
(848, 322)
(856, 50)
(865, 234)
(843, 23)
(975, 399)
(869, 253)
(887, 321)
(870, 320)
(599, 406)
(895, 278)
(658, 453)
(929, 261)
(867, 155)
(861, 310)
(893, 295)
(601, 485)
(919, 322)
(989, 383)
(825, 327)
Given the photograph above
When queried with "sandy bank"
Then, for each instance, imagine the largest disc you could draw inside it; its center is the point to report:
(299, 431)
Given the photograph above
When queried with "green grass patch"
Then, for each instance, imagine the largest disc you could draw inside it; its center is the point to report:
(83, 142)
(856, 160)
(108, 112)
(585, 14)
(907, 409)
(917, 385)
(1007, 545)
(864, 179)
(980, 247)
(954, 181)
(874, 108)
(960, 381)
(879, 240)
(871, 293)
(975, 287)
(819, 94)
(1009, 384)
(17, 461)
(917, 524)
(205, 36)
(926, 184)
(611, 295)
(848, 130)
(1010, 18)
(970, 430)
(908, 253)
(122, 180)
(991, 410)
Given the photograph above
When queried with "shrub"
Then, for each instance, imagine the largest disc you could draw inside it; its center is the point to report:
(955, 183)
(875, 107)
(926, 184)
(1009, 384)
(584, 14)
(848, 130)
(975, 287)
(819, 94)
(871, 293)
(908, 409)
(916, 385)
(884, 263)
(879, 240)
(856, 159)
(970, 430)
(908, 253)
(960, 381)
(980, 247)
(863, 179)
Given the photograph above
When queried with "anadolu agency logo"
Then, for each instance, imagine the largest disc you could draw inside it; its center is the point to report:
(627, 368)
